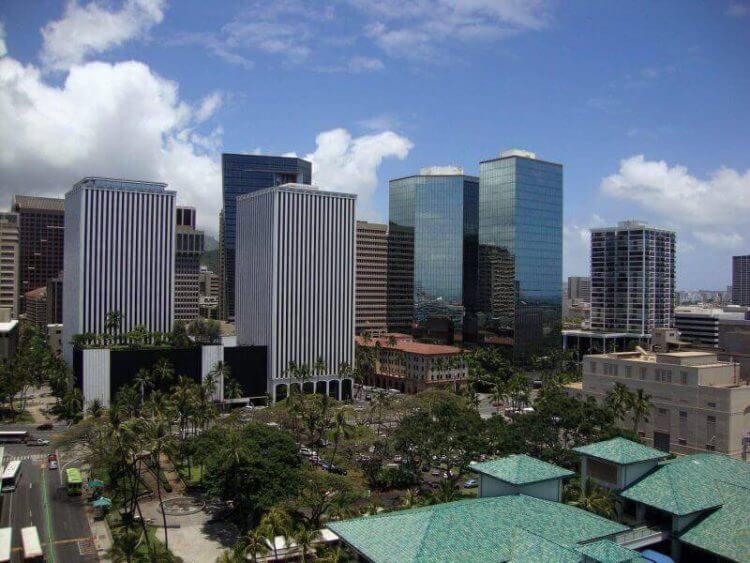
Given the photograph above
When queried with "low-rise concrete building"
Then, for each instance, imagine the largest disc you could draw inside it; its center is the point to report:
(408, 366)
(55, 338)
(698, 402)
(521, 475)
(8, 335)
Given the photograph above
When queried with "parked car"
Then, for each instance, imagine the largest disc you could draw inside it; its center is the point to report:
(337, 470)
(45, 426)
(37, 442)
(398, 459)
(435, 472)
(471, 484)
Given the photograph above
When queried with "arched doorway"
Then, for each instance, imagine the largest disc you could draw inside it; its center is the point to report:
(333, 389)
(346, 389)
(321, 388)
(280, 392)
(308, 387)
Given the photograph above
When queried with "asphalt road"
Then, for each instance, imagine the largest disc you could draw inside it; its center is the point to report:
(41, 500)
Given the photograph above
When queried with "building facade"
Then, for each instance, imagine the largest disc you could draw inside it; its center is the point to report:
(698, 403)
(119, 256)
(701, 325)
(400, 280)
(579, 288)
(741, 280)
(208, 288)
(520, 253)
(41, 239)
(242, 174)
(9, 261)
(372, 278)
(437, 211)
(55, 300)
(189, 245)
(295, 284)
(36, 306)
(632, 278)
(410, 367)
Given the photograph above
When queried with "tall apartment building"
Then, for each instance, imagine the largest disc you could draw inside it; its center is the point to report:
(372, 278)
(41, 238)
(9, 259)
(295, 283)
(520, 252)
(437, 210)
(579, 288)
(632, 278)
(698, 402)
(189, 245)
(741, 280)
(243, 174)
(208, 288)
(119, 256)
(55, 300)
(400, 280)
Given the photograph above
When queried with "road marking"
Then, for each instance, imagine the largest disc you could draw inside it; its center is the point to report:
(48, 517)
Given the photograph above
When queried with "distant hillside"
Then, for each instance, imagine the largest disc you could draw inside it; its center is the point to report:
(210, 243)
(210, 259)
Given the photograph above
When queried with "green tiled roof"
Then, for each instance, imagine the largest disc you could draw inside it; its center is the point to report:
(520, 469)
(606, 551)
(621, 451)
(689, 484)
(514, 528)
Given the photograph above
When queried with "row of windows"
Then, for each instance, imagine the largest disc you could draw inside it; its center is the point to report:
(660, 374)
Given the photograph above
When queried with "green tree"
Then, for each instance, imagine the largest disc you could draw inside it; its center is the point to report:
(590, 497)
(125, 547)
(320, 493)
(618, 400)
(640, 405)
(341, 429)
(276, 522)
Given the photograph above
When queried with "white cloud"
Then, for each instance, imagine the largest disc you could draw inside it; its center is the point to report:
(278, 38)
(365, 64)
(577, 246)
(719, 204)
(3, 46)
(92, 28)
(349, 164)
(208, 106)
(720, 240)
(120, 120)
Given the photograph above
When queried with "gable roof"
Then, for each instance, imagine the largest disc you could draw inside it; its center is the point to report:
(520, 469)
(621, 451)
(607, 551)
(507, 528)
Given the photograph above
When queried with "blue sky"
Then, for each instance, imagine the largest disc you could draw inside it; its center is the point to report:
(645, 104)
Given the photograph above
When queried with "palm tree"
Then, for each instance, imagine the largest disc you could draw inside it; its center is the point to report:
(410, 498)
(618, 400)
(143, 379)
(125, 546)
(220, 372)
(96, 408)
(590, 497)
(255, 544)
(163, 373)
(333, 555)
(304, 539)
(640, 405)
(341, 429)
(158, 435)
(276, 522)
(113, 322)
(320, 366)
(446, 491)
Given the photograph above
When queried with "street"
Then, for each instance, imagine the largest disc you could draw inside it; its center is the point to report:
(41, 500)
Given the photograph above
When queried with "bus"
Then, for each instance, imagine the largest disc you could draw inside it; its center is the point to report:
(11, 475)
(13, 436)
(5, 539)
(32, 547)
(74, 481)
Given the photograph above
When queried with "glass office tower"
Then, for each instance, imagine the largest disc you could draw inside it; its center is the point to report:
(520, 253)
(243, 174)
(437, 210)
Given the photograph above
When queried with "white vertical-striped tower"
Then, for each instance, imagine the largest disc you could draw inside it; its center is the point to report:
(294, 293)
(119, 256)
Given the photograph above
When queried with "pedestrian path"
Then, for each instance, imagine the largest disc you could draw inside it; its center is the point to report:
(27, 457)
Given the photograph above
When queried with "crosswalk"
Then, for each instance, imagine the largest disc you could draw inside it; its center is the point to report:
(28, 457)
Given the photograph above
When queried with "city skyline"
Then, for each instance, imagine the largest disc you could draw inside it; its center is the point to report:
(633, 134)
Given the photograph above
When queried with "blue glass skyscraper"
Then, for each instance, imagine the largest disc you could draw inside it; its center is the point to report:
(436, 211)
(243, 174)
(520, 253)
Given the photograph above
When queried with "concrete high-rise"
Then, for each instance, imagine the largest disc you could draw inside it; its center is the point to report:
(242, 174)
(9, 232)
(436, 211)
(295, 284)
(520, 253)
(372, 278)
(632, 278)
(741, 280)
(119, 256)
(188, 250)
(41, 239)
(579, 288)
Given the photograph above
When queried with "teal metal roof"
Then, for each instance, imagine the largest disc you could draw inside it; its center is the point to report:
(607, 551)
(515, 528)
(621, 451)
(520, 469)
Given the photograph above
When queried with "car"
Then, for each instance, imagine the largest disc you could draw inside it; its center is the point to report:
(398, 459)
(435, 472)
(52, 463)
(37, 442)
(337, 470)
(45, 426)
(471, 484)
(425, 468)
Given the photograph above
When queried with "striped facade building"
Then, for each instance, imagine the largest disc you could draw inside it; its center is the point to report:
(119, 256)
(295, 273)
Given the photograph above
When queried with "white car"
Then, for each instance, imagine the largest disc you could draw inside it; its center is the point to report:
(38, 442)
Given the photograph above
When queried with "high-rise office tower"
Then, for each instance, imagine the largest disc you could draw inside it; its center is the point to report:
(372, 278)
(520, 252)
(243, 174)
(119, 256)
(632, 278)
(295, 284)
(436, 211)
(579, 288)
(9, 262)
(741, 280)
(188, 249)
(400, 280)
(42, 224)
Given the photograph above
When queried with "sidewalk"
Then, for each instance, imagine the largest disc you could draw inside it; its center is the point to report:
(100, 533)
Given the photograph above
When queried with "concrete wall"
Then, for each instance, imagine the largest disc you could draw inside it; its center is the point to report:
(96, 379)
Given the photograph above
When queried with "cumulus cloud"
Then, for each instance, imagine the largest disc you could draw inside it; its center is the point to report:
(364, 64)
(120, 120)
(349, 164)
(208, 106)
(3, 47)
(93, 28)
(718, 204)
